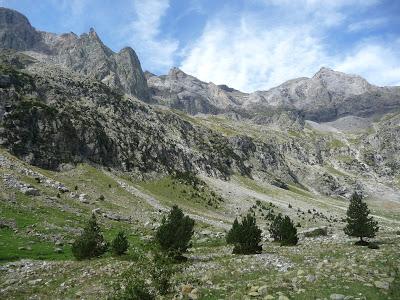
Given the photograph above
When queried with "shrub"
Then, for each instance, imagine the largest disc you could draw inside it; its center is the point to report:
(245, 236)
(359, 224)
(283, 230)
(162, 270)
(175, 233)
(91, 242)
(120, 243)
(132, 287)
(101, 198)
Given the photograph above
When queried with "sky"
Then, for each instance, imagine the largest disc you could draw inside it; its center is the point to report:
(247, 44)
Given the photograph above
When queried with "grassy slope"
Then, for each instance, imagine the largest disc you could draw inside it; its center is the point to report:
(230, 278)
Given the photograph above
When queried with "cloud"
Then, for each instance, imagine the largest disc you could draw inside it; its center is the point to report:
(379, 63)
(366, 24)
(250, 57)
(323, 12)
(252, 53)
(143, 33)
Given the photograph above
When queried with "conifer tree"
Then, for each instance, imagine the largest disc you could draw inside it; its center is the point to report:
(175, 233)
(275, 228)
(120, 244)
(232, 235)
(288, 232)
(359, 223)
(91, 243)
(245, 236)
(283, 231)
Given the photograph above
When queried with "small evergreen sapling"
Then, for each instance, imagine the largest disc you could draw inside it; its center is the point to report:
(175, 233)
(120, 243)
(359, 223)
(91, 242)
(245, 236)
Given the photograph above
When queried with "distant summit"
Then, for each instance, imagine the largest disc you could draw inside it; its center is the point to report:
(85, 54)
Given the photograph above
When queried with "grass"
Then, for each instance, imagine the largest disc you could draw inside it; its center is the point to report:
(14, 246)
(299, 191)
(172, 191)
(336, 144)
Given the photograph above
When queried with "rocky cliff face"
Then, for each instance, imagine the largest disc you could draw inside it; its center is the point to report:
(85, 54)
(329, 95)
(182, 91)
(53, 117)
(16, 32)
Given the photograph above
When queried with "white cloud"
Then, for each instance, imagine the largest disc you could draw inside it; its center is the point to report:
(253, 54)
(366, 24)
(378, 63)
(143, 34)
(249, 57)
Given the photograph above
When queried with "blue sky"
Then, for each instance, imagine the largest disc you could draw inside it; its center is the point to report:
(247, 44)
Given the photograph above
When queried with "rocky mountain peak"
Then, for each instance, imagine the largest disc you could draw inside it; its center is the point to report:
(177, 73)
(15, 31)
(12, 17)
(85, 54)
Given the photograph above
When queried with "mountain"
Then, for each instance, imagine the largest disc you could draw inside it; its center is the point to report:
(85, 54)
(329, 95)
(181, 91)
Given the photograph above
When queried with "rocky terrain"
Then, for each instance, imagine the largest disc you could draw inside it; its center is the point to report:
(85, 54)
(83, 130)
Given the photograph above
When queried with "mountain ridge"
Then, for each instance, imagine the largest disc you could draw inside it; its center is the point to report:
(326, 96)
(84, 54)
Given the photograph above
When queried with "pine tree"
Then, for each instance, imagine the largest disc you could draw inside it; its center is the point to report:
(175, 233)
(283, 231)
(288, 232)
(91, 243)
(359, 224)
(120, 244)
(275, 228)
(233, 234)
(245, 236)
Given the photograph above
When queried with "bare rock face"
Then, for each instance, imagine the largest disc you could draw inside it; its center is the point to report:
(85, 54)
(182, 91)
(329, 95)
(15, 31)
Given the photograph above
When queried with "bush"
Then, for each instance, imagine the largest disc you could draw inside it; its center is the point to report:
(101, 198)
(245, 236)
(359, 224)
(283, 230)
(91, 242)
(175, 233)
(132, 287)
(120, 243)
(162, 270)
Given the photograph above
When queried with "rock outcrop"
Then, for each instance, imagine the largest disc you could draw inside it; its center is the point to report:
(85, 54)
(329, 95)
(184, 92)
